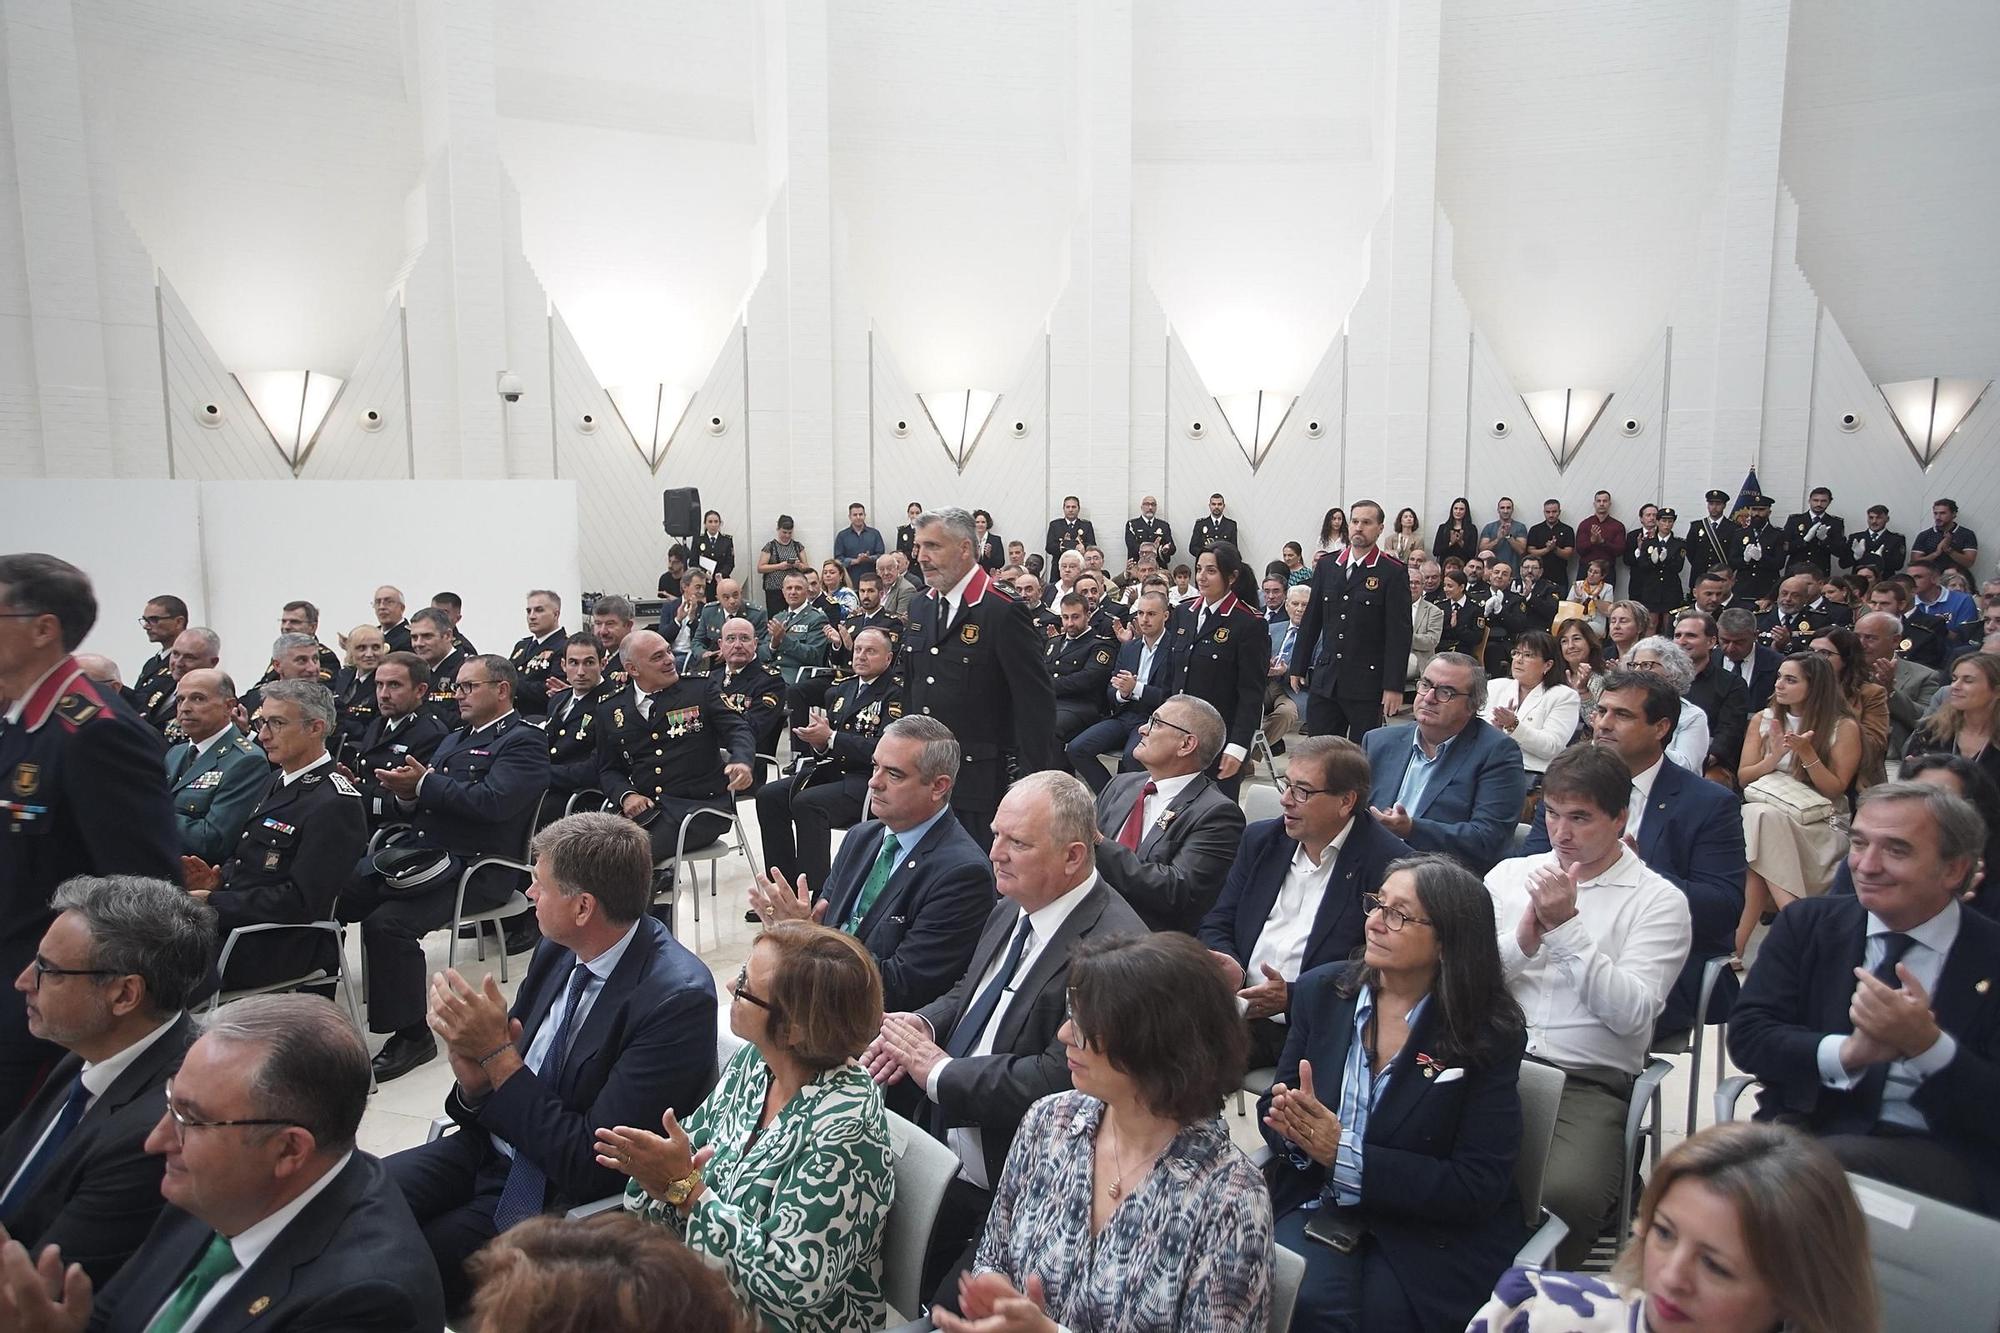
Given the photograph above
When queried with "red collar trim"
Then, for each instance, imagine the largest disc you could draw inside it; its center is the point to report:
(1347, 557)
(59, 682)
(1227, 606)
(979, 585)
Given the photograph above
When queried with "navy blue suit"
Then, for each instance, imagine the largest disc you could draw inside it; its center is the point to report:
(1762, 677)
(647, 1043)
(1800, 991)
(1120, 731)
(925, 924)
(1237, 919)
(1474, 799)
(1693, 835)
(1437, 1169)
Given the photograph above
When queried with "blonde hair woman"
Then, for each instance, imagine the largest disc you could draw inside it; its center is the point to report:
(1968, 720)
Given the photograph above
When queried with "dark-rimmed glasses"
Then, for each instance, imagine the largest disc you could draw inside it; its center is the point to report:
(183, 1122)
(44, 968)
(1393, 917)
(740, 988)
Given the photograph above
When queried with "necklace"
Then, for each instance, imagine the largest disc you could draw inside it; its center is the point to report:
(1118, 1158)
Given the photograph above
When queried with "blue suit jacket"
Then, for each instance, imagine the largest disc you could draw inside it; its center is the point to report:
(1474, 799)
(1763, 676)
(1153, 690)
(647, 1043)
(1237, 919)
(1437, 1161)
(1693, 835)
(925, 924)
(481, 793)
(1800, 991)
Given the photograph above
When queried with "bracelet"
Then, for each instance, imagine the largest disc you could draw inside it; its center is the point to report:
(503, 1046)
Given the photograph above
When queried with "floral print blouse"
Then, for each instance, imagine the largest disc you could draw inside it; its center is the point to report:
(1529, 1300)
(794, 1213)
(1190, 1248)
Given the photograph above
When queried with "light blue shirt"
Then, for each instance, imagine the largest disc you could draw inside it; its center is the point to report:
(1361, 1091)
(600, 969)
(1930, 942)
(1419, 770)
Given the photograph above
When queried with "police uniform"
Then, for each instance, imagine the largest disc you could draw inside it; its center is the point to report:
(81, 793)
(1079, 670)
(1824, 547)
(1068, 534)
(830, 787)
(461, 643)
(1709, 541)
(157, 705)
(992, 554)
(397, 636)
(354, 700)
(719, 551)
(1924, 640)
(1047, 623)
(1358, 629)
(980, 673)
(1208, 530)
(708, 627)
(1140, 530)
(386, 743)
(535, 661)
(214, 790)
(670, 753)
(1224, 657)
(1464, 628)
(756, 694)
(803, 646)
(906, 542)
(614, 670)
(572, 731)
(1656, 563)
(296, 854)
(156, 670)
(1800, 627)
(879, 619)
(443, 696)
(329, 667)
(1883, 552)
(1758, 554)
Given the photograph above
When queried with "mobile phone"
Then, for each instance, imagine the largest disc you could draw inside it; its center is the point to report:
(1331, 1229)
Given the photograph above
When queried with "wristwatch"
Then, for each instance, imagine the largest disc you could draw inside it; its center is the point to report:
(678, 1191)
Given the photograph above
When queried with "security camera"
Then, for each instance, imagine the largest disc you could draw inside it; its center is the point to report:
(371, 419)
(1850, 421)
(1196, 430)
(209, 415)
(901, 428)
(1499, 429)
(587, 422)
(509, 386)
(716, 425)
(1019, 428)
(1631, 426)
(1315, 429)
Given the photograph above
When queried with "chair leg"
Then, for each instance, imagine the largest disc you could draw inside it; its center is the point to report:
(500, 946)
(1694, 1076)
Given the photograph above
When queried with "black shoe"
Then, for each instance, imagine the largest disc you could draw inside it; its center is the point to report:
(752, 918)
(1277, 748)
(523, 933)
(400, 1054)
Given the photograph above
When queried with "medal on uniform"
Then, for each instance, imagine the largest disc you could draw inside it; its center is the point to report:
(1374, 582)
(969, 634)
(1222, 635)
(618, 718)
(27, 777)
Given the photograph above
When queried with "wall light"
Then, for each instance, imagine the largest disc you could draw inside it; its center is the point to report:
(652, 413)
(292, 404)
(1929, 412)
(1564, 417)
(1254, 418)
(959, 417)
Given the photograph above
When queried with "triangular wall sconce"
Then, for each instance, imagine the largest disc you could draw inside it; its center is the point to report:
(959, 416)
(1254, 418)
(652, 412)
(1929, 412)
(1564, 417)
(292, 404)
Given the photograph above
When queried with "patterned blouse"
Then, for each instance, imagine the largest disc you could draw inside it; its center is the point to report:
(795, 1216)
(1529, 1300)
(1190, 1248)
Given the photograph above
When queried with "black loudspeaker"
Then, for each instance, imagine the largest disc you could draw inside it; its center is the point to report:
(681, 511)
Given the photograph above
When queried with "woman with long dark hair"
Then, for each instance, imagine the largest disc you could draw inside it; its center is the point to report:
(1458, 535)
(1867, 702)
(1396, 1116)
(1406, 542)
(1332, 534)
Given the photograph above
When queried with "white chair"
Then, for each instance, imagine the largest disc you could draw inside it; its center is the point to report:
(1260, 802)
(923, 1168)
(733, 842)
(1541, 1093)
(1255, 1084)
(1643, 1125)
(1695, 1039)
(1262, 753)
(1933, 1263)
(348, 999)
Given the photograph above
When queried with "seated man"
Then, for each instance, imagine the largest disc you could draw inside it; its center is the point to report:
(1281, 705)
(750, 687)
(991, 1047)
(660, 758)
(611, 619)
(110, 982)
(729, 604)
(1170, 835)
(798, 633)
(1911, 685)
(680, 622)
(297, 852)
(284, 1215)
(303, 618)
(403, 729)
(477, 797)
(196, 648)
(798, 811)
(870, 613)
(1292, 901)
(294, 656)
(453, 605)
(430, 640)
(614, 1024)
(1687, 829)
(1448, 782)
(1138, 684)
(537, 656)
(1079, 665)
(388, 603)
(910, 883)
(1869, 1020)
(217, 774)
(1590, 941)
(1745, 658)
(572, 724)
(1718, 692)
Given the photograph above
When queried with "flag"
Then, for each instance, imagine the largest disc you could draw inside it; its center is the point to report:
(1743, 497)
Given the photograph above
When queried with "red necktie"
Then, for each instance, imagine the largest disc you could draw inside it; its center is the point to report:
(1128, 837)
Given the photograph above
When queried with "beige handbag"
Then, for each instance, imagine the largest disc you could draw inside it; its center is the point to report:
(1796, 797)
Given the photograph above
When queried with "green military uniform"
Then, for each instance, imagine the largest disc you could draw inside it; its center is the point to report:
(214, 791)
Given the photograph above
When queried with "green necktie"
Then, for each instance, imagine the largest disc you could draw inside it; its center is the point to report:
(216, 1262)
(885, 865)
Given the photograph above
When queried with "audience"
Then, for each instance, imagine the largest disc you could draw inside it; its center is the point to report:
(1140, 680)
(782, 1175)
(1448, 782)
(1690, 744)
(217, 774)
(402, 729)
(1910, 685)
(1395, 1120)
(1168, 834)
(1742, 1227)
(1534, 705)
(1961, 777)
(605, 1274)
(1124, 1204)
(1867, 703)
(1967, 716)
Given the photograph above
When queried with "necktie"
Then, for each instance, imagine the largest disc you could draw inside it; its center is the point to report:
(65, 1121)
(216, 1263)
(1895, 945)
(1128, 837)
(527, 1187)
(187, 761)
(966, 1035)
(878, 878)
(1285, 653)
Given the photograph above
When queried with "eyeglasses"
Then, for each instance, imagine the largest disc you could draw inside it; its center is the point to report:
(1075, 1028)
(183, 1122)
(146, 620)
(740, 988)
(1297, 792)
(1444, 694)
(1648, 664)
(1147, 725)
(1393, 917)
(44, 968)
(262, 723)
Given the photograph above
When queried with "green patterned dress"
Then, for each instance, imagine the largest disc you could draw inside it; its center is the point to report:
(795, 1217)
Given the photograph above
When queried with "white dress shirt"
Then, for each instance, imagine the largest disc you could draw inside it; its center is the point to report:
(97, 1080)
(600, 969)
(951, 601)
(249, 1244)
(1281, 944)
(1930, 943)
(967, 1140)
(1597, 984)
(1165, 790)
(1642, 795)
(1147, 647)
(1688, 746)
(298, 773)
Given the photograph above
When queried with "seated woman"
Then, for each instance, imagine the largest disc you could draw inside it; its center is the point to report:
(1688, 746)
(1805, 734)
(1866, 701)
(1968, 720)
(1396, 1117)
(1593, 592)
(1583, 663)
(1744, 1228)
(1625, 623)
(1534, 706)
(1124, 1207)
(782, 1174)
(610, 1274)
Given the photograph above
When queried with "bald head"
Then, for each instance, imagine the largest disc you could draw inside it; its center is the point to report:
(650, 660)
(202, 702)
(100, 669)
(737, 643)
(1880, 634)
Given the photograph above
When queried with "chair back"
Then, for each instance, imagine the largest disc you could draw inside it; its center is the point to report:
(1260, 802)
(1934, 1264)
(1541, 1089)
(1288, 1274)
(923, 1168)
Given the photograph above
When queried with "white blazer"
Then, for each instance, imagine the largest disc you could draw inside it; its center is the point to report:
(1546, 719)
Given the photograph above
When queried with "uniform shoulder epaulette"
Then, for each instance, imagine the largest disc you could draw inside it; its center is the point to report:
(342, 785)
(308, 779)
(76, 708)
(246, 745)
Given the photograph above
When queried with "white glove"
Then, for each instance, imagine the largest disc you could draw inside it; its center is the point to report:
(1494, 603)
(1754, 551)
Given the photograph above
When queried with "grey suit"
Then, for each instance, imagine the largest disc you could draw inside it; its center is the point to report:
(1910, 699)
(1184, 854)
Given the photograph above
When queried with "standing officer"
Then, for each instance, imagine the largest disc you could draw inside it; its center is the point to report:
(537, 658)
(217, 775)
(1874, 546)
(1709, 538)
(1211, 528)
(1758, 553)
(714, 549)
(1078, 661)
(1222, 653)
(1817, 535)
(1068, 533)
(973, 660)
(1359, 624)
(430, 639)
(1149, 527)
(1655, 557)
(81, 790)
